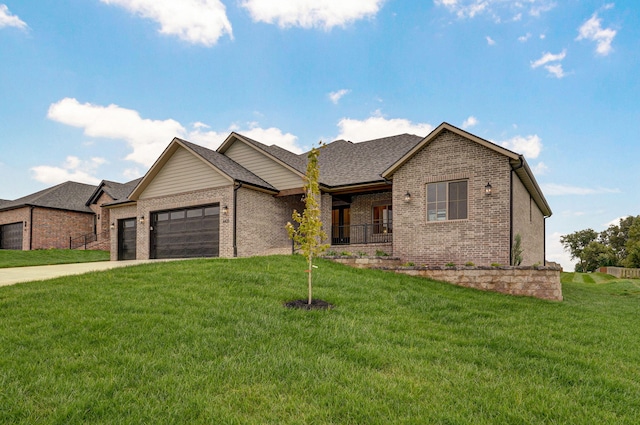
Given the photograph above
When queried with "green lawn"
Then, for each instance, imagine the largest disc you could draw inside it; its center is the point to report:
(209, 341)
(41, 257)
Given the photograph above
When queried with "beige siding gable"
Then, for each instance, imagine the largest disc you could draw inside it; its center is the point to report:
(264, 167)
(184, 172)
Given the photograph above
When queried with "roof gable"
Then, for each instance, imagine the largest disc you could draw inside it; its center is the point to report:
(216, 163)
(281, 168)
(517, 161)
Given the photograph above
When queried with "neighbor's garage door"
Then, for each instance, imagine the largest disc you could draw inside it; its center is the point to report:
(11, 236)
(185, 233)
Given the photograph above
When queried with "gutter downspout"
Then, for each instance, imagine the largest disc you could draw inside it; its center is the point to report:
(235, 219)
(31, 227)
(513, 170)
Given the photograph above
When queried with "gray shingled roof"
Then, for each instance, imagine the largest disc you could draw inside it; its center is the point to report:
(344, 163)
(114, 189)
(228, 166)
(70, 196)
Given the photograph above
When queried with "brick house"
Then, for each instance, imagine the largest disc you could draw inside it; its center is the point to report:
(68, 215)
(447, 197)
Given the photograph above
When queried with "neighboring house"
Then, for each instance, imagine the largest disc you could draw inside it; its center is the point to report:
(450, 197)
(68, 215)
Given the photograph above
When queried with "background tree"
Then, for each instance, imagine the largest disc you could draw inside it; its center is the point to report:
(616, 236)
(576, 242)
(633, 245)
(308, 236)
(596, 255)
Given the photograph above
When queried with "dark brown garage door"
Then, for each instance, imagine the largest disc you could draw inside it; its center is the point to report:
(127, 239)
(186, 233)
(11, 236)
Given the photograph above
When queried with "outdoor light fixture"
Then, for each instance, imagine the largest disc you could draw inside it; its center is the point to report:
(225, 210)
(304, 198)
(487, 189)
(142, 220)
(407, 197)
(113, 226)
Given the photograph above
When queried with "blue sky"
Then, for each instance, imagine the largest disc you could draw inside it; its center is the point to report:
(96, 89)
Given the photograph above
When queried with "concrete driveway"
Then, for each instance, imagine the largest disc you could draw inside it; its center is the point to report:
(28, 274)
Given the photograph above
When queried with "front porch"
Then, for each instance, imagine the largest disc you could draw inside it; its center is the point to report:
(361, 222)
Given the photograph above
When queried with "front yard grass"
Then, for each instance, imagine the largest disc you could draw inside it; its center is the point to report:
(43, 257)
(209, 341)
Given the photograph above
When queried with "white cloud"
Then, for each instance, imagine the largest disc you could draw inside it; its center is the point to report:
(470, 122)
(195, 21)
(490, 41)
(377, 126)
(529, 146)
(335, 96)
(524, 38)
(553, 189)
(555, 70)
(273, 136)
(614, 222)
(540, 168)
(555, 252)
(73, 169)
(547, 60)
(496, 8)
(9, 20)
(592, 30)
(311, 13)
(148, 138)
(549, 57)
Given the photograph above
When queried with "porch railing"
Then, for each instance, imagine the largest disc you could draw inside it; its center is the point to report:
(361, 233)
(84, 240)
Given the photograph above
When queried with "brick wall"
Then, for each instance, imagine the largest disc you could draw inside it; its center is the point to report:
(528, 221)
(19, 215)
(483, 238)
(261, 222)
(53, 228)
(362, 206)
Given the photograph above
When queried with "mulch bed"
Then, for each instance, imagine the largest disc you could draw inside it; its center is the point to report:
(304, 305)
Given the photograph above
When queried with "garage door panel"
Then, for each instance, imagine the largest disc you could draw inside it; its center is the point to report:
(11, 236)
(187, 233)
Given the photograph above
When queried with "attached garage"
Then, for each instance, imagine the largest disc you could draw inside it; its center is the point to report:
(186, 233)
(11, 236)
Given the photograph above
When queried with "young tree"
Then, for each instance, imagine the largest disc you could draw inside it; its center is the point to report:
(309, 235)
(516, 251)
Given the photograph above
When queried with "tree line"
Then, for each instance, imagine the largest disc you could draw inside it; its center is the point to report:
(618, 245)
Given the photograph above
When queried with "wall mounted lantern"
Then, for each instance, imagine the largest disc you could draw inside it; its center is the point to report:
(225, 210)
(142, 220)
(487, 189)
(407, 197)
(113, 226)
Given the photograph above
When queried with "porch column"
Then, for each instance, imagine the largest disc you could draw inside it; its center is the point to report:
(326, 203)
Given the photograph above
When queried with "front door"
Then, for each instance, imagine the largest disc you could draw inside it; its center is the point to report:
(340, 225)
(127, 239)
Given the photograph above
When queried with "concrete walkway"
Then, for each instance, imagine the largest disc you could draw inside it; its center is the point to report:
(28, 274)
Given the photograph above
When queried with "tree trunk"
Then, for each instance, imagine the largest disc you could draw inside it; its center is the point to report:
(310, 271)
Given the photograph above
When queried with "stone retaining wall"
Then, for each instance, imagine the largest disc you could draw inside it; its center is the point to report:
(537, 282)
